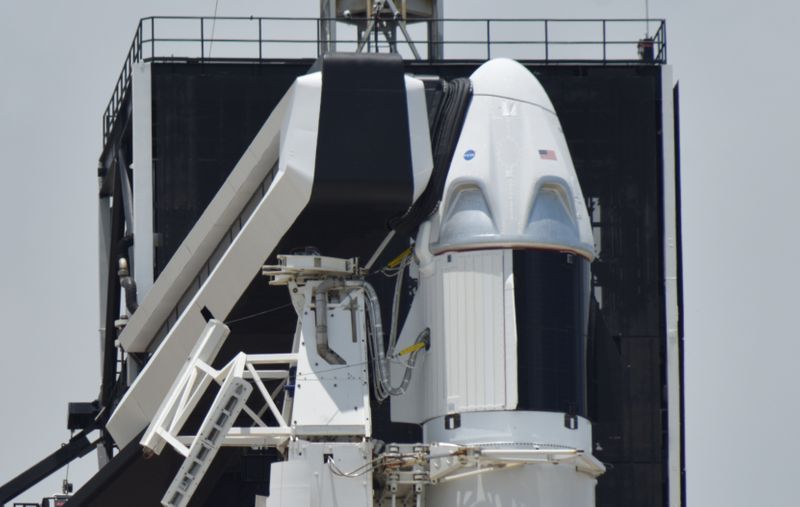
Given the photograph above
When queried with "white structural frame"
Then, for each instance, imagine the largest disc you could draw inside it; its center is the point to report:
(142, 119)
(217, 429)
(253, 167)
(282, 142)
(237, 379)
(193, 382)
(193, 385)
(334, 403)
(671, 310)
(241, 261)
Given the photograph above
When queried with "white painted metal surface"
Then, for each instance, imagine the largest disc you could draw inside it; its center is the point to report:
(671, 288)
(289, 484)
(512, 183)
(193, 382)
(292, 267)
(333, 399)
(275, 213)
(545, 428)
(420, 137)
(296, 119)
(257, 161)
(229, 402)
(428, 473)
(314, 476)
(185, 393)
(535, 441)
(463, 302)
(524, 485)
(104, 246)
(327, 402)
(142, 135)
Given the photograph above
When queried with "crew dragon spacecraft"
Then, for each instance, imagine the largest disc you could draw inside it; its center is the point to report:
(361, 270)
(417, 252)
(470, 208)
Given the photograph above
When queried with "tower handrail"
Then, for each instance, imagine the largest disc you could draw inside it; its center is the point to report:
(157, 39)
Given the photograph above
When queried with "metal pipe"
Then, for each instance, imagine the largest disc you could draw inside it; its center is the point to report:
(396, 303)
(202, 40)
(383, 385)
(127, 282)
(546, 42)
(422, 249)
(488, 40)
(424, 337)
(321, 319)
(376, 337)
(478, 471)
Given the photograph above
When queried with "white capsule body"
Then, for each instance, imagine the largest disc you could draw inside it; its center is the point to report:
(511, 183)
(512, 227)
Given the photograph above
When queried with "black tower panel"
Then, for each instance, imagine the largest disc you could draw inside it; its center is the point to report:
(204, 117)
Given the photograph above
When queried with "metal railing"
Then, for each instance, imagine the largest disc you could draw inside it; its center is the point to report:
(123, 83)
(204, 39)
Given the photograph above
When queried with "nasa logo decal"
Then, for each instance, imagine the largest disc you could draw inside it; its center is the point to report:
(469, 154)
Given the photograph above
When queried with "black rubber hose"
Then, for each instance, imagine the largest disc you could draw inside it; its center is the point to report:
(131, 299)
(127, 282)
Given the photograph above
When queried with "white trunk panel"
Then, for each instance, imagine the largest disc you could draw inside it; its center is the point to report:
(473, 330)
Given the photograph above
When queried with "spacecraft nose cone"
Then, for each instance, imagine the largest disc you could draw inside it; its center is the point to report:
(503, 77)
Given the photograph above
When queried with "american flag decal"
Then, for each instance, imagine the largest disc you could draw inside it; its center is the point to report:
(547, 154)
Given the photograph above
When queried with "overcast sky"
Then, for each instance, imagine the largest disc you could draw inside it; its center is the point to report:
(741, 167)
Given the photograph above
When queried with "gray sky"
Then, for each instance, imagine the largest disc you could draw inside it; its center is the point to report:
(741, 168)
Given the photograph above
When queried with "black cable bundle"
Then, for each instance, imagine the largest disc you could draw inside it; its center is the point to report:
(445, 132)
